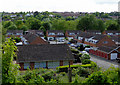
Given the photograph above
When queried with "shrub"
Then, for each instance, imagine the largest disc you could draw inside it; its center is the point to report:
(74, 71)
(98, 78)
(65, 68)
(63, 73)
(81, 48)
(17, 39)
(86, 61)
(74, 51)
(87, 46)
(83, 71)
(85, 56)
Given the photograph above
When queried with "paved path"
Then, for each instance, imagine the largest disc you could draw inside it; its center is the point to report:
(104, 63)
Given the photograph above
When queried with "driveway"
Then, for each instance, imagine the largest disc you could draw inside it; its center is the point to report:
(104, 63)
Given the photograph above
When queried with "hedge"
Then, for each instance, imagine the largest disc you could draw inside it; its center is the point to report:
(65, 68)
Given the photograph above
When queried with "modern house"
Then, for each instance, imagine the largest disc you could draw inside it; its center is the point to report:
(95, 40)
(31, 38)
(16, 33)
(40, 33)
(44, 56)
(110, 53)
(55, 35)
(70, 34)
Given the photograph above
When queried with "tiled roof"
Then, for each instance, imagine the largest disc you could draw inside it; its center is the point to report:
(49, 52)
(55, 31)
(14, 31)
(107, 49)
(30, 37)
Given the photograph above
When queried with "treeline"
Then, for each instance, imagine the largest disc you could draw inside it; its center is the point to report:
(53, 21)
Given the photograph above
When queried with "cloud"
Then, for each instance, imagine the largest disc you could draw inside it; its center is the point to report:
(59, 5)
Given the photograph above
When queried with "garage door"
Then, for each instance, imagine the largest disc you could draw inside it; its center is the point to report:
(113, 56)
(53, 64)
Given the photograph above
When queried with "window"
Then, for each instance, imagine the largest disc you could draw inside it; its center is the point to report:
(39, 33)
(71, 33)
(60, 34)
(51, 33)
(105, 42)
(26, 65)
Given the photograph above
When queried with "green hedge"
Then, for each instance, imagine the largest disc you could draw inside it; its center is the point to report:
(65, 68)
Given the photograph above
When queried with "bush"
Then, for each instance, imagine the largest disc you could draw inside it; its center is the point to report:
(98, 78)
(86, 61)
(83, 72)
(87, 46)
(17, 39)
(63, 73)
(65, 68)
(74, 51)
(85, 56)
(81, 48)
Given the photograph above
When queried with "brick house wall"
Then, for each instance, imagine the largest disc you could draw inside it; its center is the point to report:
(31, 65)
(101, 42)
(21, 66)
(61, 62)
(71, 62)
(99, 53)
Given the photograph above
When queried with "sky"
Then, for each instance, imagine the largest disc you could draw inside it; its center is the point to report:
(59, 5)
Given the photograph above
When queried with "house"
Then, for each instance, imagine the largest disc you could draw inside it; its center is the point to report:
(94, 31)
(70, 34)
(116, 39)
(55, 35)
(44, 56)
(40, 33)
(95, 40)
(110, 53)
(31, 38)
(16, 33)
(112, 32)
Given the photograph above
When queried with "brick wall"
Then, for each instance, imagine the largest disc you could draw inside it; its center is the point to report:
(61, 63)
(71, 62)
(21, 66)
(31, 65)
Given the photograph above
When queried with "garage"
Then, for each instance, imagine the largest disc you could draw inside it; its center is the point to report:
(53, 64)
(113, 56)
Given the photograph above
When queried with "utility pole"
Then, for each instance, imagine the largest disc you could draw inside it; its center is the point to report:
(69, 69)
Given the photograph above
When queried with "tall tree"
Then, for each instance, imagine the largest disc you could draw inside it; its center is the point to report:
(9, 69)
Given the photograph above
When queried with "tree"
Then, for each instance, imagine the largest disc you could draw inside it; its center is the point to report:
(101, 25)
(111, 25)
(24, 28)
(12, 27)
(19, 23)
(9, 70)
(46, 25)
(87, 22)
(6, 24)
(33, 23)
